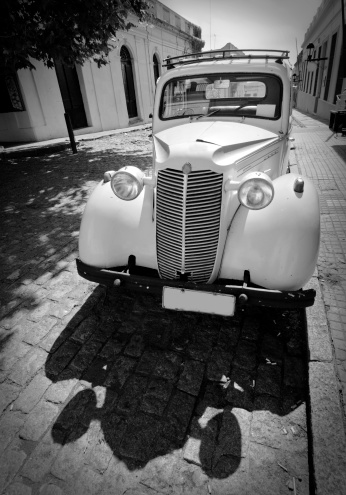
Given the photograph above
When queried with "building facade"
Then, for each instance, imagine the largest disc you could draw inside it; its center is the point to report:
(33, 103)
(322, 78)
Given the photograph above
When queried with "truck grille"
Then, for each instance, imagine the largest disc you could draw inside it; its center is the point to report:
(188, 209)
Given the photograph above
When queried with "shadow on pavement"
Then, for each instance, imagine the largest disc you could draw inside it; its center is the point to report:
(41, 203)
(158, 381)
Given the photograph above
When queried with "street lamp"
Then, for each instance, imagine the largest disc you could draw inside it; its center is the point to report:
(296, 78)
(310, 49)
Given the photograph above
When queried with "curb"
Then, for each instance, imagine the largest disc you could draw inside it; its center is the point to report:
(45, 147)
(325, 408)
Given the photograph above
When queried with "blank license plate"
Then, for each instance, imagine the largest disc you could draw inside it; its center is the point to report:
(198, 301)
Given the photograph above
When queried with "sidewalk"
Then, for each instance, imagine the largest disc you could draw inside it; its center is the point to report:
(317, 154)
(38, 148)
(321, 156)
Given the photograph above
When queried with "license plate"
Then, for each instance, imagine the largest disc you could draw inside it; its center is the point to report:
(198, 301)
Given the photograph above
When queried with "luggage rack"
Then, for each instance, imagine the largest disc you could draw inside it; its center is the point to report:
(190, 58)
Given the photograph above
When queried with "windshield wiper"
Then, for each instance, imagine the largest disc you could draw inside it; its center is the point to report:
(207, 114)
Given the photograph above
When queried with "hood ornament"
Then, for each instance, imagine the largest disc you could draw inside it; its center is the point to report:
(187, 167)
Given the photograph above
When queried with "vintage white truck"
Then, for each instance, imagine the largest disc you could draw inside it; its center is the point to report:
(221, 222)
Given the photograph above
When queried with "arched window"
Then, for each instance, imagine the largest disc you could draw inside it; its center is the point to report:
(156, 68)
(129, 87)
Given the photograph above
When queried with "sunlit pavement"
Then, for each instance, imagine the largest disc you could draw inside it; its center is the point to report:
(104, 392)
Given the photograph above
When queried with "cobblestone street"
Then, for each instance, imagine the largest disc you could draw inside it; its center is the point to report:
(104, 392)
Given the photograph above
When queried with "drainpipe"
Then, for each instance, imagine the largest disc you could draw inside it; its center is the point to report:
(343, 56)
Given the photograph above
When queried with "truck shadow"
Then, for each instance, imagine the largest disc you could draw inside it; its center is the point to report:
(158, 381)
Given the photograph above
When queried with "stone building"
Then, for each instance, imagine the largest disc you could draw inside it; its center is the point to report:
(33, 103)
(319, 69)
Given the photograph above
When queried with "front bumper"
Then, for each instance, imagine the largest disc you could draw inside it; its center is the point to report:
(148, 281)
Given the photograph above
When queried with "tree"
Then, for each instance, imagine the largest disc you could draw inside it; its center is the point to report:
(70, 31)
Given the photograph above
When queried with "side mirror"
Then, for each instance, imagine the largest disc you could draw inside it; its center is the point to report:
(150, 115)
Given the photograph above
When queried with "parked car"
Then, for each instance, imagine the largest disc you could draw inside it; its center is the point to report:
(221, 222)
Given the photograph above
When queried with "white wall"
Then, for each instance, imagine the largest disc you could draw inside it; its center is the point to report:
(325, 24)
(102, 89)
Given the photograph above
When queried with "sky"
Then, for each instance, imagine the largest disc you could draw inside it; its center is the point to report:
(262, 24)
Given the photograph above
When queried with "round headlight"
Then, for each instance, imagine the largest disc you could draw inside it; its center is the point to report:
(256, 192)
(127, 183)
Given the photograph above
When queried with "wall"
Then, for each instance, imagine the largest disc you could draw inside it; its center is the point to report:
(102, 89)
(311, 97)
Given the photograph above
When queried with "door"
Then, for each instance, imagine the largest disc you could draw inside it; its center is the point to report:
(71, 94)
(129, 87)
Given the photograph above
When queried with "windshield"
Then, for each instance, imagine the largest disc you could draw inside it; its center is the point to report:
(229, 95)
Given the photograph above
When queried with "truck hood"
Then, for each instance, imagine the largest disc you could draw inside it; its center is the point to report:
(236, 137)
(218, 133)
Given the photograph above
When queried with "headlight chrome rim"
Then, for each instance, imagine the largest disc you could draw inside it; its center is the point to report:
(127, 183)
(256, 191)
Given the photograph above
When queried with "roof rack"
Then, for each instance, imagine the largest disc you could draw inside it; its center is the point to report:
(190, 58)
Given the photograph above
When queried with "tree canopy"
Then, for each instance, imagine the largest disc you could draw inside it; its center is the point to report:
(71, 31)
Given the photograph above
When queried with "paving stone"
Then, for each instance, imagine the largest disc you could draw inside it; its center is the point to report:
(201, 443)
(234, 436)
(18, 489)
(85, 330)
(135, 347)
(58, 361)
(120, 372)
(250, 328)
(10, 463)
(131, 394)
(246, 355)
(39, 420)
(294, 372)
(85, 356)
(268, 380)
(281, 432)
(272, 348)
(191, 378)
(50, 489)
(219, 365)
(79, 411)
(158, 474)
(156, 397)
(327, 425)
(30, 396)
(178, 415)
(87, 482)
(118, 479)
(39, 330)
(139, 439)
(28, 366)
(272, 470)
(10, 423)
(114, 427)
(148, 362)
(42, 310)
(240, 392)
(9, 392)
(98, 453)
(70, 458)
(228, 337)
(41, 459)
(58, 392)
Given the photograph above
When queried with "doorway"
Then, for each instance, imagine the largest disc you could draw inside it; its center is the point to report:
(71, 94)
(129, 87)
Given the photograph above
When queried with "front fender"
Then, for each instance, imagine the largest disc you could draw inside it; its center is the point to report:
(279, 244)
(112, 229)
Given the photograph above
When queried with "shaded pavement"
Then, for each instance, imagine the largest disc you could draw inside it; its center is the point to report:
(102, 392)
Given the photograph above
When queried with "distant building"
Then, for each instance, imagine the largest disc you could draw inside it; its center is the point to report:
(33, 103)
(319, 81)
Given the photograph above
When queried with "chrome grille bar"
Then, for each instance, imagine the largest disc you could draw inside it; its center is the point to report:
(188, 209)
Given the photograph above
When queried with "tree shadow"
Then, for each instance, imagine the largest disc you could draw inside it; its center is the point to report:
(42, 199)
(174, 380)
